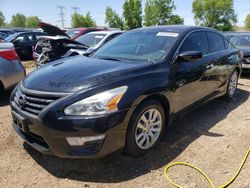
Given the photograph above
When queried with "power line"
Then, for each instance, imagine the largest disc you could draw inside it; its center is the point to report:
(61, 14)
(75, 9)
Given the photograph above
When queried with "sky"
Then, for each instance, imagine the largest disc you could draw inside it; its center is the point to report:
(47, 10)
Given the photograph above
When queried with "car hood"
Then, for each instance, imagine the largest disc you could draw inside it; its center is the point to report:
(76, 73)
(52, 30)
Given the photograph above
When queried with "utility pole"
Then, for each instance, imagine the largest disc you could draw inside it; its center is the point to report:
(75, 9)
(61, 14)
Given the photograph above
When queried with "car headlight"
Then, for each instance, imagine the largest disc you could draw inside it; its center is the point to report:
(99, 104)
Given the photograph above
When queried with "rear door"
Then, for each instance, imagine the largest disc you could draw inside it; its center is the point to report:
(189, 76)
(216, 73)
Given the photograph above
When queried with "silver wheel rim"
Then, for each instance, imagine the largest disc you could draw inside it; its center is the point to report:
(148, 129)
(233, 83)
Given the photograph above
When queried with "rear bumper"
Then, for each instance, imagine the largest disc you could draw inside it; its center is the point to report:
(50, 137)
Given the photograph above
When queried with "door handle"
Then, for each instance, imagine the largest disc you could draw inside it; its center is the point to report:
(210, 66)
(181, 82)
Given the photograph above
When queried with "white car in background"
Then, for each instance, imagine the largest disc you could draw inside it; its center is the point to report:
(93, 41)
(96, 39)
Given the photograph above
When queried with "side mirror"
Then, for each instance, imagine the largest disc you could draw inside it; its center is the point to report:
(190, 56)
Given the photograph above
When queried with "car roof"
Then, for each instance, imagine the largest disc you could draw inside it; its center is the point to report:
(173, 28)
(3, 29)
(107, 32)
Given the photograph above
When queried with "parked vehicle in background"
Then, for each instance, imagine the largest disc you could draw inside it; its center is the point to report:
(96, 39)
(2, 37)
(24, 43)
(7, 31)
(230, 34)
(51, 48)
(60, 45)
(77, 32)
(242, 42)
(11, 69)
(126, 93)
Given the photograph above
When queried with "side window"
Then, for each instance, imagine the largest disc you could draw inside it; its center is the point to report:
(195, 42)
(24, 38)
(215, 42)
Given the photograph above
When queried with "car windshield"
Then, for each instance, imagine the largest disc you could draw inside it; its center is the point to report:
(149, 46)
(11, 37)
(241, 40)
(72, 33)
(91, 39)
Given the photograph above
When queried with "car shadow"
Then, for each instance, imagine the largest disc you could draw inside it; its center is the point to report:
(4, 98)
(118, 167)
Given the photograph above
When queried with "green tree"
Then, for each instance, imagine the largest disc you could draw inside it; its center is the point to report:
(160, 12)
(18, 20)
(2, 19)
(218, 14)
(247, 22)
(132, 12)
(32, 21)
(78, 20)
(113, 19)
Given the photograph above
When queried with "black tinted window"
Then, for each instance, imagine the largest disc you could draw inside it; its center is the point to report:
(195, 42)
(215, 42)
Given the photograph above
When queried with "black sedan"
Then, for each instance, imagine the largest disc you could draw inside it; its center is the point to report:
(126, 93)
(24, 43)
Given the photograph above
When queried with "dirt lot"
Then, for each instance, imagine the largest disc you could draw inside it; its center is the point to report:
(214, 137)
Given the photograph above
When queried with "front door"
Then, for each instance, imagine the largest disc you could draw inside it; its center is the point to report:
(189, 76)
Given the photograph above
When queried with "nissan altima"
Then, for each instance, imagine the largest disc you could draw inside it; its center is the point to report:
(126, 93)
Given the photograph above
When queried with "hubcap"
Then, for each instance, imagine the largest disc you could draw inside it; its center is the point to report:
(233, 83)
(148, 128)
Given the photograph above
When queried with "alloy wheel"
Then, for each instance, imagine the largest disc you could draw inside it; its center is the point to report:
(233, 83)
(148, 129)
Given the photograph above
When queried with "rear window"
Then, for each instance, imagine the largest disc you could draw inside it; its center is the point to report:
(215, 42)
(72, 33)
(90, 39)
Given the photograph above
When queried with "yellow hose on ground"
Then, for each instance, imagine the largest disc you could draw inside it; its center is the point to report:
(203, 174)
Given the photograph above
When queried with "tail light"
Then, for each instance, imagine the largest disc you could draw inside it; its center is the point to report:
(9, 54)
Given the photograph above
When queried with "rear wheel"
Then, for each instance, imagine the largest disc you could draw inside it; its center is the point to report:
(1, 89)
(145, 128)
(232, 84)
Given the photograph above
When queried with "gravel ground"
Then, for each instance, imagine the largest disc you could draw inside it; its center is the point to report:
(213, 137)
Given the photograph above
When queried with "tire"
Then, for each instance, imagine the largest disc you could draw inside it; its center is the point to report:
(152, 131)
(232, 85)
(1, 89)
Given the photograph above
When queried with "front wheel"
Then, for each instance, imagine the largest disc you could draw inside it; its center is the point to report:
(145, 128)
(232, 84)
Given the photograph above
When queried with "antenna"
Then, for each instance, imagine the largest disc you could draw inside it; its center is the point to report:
(75, 9)
(61, 14)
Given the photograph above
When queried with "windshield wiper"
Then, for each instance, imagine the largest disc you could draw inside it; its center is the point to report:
(111, 58)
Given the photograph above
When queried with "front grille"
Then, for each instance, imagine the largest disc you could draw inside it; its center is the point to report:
(32, 103)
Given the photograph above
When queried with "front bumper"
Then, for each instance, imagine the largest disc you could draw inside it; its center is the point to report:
(246, 64)
(48, 134)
